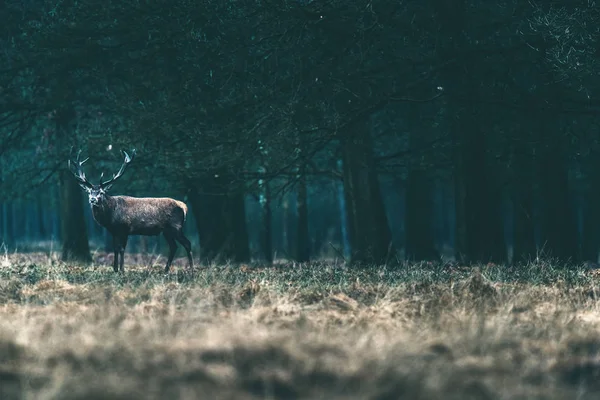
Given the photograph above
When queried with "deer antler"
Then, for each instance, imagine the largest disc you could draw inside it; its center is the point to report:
(116, 176)
(79, 174)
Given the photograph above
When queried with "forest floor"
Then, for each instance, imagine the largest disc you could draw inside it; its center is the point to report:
(319, 331)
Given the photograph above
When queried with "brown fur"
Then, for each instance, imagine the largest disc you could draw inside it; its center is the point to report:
(125, 215)
(140, 213)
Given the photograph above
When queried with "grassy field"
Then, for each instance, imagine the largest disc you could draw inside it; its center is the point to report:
(320, 331)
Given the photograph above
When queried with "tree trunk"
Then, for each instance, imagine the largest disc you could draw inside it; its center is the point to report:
(56, 233)
(591, 220)
(302, 236)
(266, 235)
(482, 213)
(29, 221)
(420, 235)
(524, 247)
(479, 222)
(8, 221)
(285, 240)
(42, 229)
(75, 246)
(292, 225)
(3, 236)
(420, 240)
(19, 221)
(220, 215)
(369, 233)
(343, 213)
(559, 228)
(447, 211)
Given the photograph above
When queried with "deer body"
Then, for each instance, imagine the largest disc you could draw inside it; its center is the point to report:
(125, 215)
(139, 215)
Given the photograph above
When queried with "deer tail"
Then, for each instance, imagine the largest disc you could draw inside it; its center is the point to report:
(184, 208)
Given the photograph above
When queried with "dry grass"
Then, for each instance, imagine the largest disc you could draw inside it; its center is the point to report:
(313, 332)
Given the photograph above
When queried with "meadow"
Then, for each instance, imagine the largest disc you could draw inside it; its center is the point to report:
(314, 331)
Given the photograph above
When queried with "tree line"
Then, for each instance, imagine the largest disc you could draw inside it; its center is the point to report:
(429, 124)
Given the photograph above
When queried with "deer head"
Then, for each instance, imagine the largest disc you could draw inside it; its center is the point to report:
(96, 193)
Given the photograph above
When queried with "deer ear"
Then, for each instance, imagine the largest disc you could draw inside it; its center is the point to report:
(87, 189)
(107, 187)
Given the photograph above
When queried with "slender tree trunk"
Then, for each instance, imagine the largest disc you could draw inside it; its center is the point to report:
(2, 224)
(57, 234)
(368, 229)
(302, 247)
(29, 221)
(41, 219)
(19, 221)
(266, 236)
(302, 236)
(447, 216)
(292, 225)
(8, 222)
(285, 239)
(524, 249)
(343, 214)
(2, 234)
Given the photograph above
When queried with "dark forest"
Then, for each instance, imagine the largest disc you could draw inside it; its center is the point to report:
(369, 200)
(370, 131)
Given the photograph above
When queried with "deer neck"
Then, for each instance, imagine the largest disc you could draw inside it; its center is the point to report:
(102, 212)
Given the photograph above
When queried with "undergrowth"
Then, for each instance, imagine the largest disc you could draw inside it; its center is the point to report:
(296, 331)
(32, 268)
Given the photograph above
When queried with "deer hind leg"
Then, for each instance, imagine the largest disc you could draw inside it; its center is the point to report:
(187, 246)
(172, 249)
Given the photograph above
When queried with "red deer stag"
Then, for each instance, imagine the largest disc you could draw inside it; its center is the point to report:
(124, 215)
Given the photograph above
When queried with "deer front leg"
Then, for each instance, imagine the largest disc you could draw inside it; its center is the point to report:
(122, 250)
(119, 243)
(116, 252)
